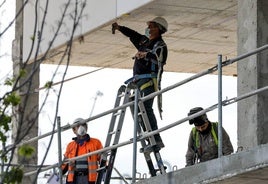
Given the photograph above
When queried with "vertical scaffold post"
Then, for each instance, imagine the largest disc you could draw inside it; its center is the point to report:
(59, 148)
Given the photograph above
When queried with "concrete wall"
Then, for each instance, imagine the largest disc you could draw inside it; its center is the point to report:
(25, 119)
(252, 73)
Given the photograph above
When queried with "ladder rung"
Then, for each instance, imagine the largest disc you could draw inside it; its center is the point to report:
(118, 113)
(147, 149)
(133, 95)
(101, 168)
(121, 95)
(111, 133)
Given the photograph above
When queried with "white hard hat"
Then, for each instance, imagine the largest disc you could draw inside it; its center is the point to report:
(162, 22)
(78, 120)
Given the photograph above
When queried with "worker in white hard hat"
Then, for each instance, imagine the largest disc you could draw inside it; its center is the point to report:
(150, 58)
(84, 170)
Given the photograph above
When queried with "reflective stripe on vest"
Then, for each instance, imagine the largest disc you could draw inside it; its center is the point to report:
(81, 164)
(89, 164)
(92, 170)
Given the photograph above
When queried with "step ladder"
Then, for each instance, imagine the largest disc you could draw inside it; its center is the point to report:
(125, 94)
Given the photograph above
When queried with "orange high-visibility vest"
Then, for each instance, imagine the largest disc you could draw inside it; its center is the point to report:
(73, 149)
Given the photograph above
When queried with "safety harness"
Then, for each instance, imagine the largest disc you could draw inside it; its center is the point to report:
(155, 75)
(214, 131)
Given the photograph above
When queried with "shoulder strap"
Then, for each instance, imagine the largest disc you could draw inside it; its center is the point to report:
(159, 45)
(196, 138)
(214, 132)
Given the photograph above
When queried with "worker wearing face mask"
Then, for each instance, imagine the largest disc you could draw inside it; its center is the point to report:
(149, 61)
(84, 170)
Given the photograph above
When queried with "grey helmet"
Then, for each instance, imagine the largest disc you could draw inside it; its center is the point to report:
(162, 22)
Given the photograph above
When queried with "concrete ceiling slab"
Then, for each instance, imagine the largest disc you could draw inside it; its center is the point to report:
(199, 30)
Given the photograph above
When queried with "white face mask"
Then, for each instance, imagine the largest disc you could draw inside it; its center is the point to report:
(81, 130)
(147, 32)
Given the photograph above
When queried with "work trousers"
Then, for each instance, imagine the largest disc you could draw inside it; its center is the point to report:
(81, 180)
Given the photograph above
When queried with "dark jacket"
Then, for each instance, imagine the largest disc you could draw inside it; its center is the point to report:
(208, 149)
(157, 51)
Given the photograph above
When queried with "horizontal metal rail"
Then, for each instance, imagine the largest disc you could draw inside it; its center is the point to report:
(205, 72)
(225, 103)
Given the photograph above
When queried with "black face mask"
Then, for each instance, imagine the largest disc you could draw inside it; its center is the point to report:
(208, 129)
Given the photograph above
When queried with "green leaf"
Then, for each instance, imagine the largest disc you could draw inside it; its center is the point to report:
(9, 81)
(12, 99)
(4, 121)
(48, 84)
(13, 176)
(3, 156)
(26, 151)
(32, 38)
(22, 73)
(3, 137)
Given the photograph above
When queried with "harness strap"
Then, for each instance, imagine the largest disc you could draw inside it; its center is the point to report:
(146, 85)
(213, 132)
(155, 84)
(142, 76)
(214, 126)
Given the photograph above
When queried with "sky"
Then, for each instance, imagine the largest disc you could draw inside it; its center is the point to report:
(78, 100)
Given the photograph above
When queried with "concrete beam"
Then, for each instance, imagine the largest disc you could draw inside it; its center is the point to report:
(252, 73)
(221, 170)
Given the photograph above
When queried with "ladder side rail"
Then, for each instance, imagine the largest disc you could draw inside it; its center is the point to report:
(121, 118)
(101, 170)
(121, 90)
(139, 128)
(146, 121)
(110, 165)
(147, 155)
(104, 168)
(159, 162)
(142, 113)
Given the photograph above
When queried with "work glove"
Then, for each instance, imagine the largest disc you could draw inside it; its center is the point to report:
(115, 26)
